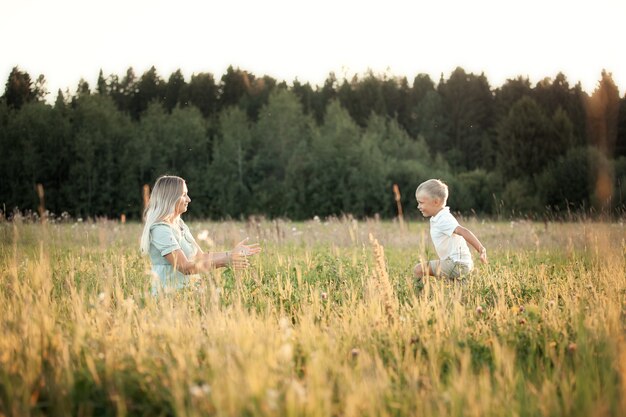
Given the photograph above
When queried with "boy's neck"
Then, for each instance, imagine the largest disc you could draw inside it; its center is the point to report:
(438, 210)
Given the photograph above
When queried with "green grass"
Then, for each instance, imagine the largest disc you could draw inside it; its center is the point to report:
(323, 324)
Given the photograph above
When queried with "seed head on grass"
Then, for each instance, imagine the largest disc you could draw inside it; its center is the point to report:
(382, 284)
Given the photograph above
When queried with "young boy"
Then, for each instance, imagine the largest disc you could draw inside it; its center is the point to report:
(450, 238)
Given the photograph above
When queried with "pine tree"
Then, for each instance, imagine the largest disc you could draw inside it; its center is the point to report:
(19, 89)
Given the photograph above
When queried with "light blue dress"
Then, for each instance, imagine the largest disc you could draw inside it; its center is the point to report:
(165, 238)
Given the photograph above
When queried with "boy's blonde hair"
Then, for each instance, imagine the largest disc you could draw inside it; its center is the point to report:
(434, 189)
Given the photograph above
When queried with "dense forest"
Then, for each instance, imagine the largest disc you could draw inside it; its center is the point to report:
(251, 145)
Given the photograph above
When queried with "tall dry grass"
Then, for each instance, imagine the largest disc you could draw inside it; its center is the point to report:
(327, 322)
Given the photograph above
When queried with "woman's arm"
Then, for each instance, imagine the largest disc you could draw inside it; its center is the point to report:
(237, 258)
(180, 262)
(206, 261)
(222, 259)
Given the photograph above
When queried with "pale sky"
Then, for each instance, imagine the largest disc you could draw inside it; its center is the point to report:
(67, 40)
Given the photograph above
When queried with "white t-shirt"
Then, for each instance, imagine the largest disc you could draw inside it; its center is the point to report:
(447, 244)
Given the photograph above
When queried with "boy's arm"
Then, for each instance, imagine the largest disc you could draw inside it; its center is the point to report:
(472, 240)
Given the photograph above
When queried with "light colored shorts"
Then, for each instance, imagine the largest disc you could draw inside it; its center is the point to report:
(449, 268)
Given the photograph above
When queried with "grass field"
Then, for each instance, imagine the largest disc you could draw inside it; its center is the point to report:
(327, 322)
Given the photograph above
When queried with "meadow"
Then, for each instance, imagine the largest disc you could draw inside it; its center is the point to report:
(326, 322)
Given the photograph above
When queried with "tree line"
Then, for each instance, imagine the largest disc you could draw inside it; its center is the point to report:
(252, 145)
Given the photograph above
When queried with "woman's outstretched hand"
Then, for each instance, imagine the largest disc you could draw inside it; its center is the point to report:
(240, 253)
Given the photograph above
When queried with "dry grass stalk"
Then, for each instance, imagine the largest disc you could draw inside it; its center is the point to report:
(146, 197)
(42, 205)
(398, 198)
(382, 285)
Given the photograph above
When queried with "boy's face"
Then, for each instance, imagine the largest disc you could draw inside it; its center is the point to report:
(428, 205)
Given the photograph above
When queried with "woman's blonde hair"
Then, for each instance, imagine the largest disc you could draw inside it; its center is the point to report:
(434, 189)
(162, 205)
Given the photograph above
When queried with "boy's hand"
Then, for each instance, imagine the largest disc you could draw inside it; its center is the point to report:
(483, 255)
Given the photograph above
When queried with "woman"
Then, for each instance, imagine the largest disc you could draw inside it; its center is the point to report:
(173, 251)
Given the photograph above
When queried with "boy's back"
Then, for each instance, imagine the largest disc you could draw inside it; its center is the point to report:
(448, 244)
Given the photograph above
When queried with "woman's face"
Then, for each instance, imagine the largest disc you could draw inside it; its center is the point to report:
(183, 202)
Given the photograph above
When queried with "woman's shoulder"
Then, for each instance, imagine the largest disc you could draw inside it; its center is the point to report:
(160, 226)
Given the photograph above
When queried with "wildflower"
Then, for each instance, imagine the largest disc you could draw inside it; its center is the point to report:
(324, 295)
(203, 235)
(285, 327)
(354, 353)
(283, 323)
(479, 310)
(299, 391)
(200, 390)
(272, 398)
(285, 353)
(571, 348)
